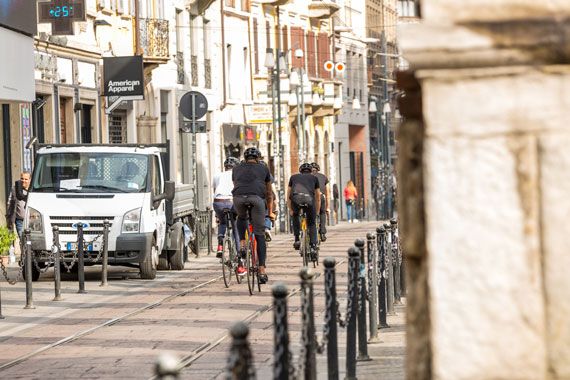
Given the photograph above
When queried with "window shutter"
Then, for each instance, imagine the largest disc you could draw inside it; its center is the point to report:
(311, 54)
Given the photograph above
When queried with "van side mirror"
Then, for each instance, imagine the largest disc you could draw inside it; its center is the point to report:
(168, 194)
(169, 189)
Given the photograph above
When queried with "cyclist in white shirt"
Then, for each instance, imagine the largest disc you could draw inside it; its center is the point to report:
(223, 198)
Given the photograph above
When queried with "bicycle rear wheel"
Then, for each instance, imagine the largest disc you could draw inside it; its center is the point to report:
(255, 264)
(227, 261)
(304, 248)
(250, 268)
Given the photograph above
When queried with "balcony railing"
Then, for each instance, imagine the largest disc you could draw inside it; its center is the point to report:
(207, 74)
(194, 70)
(180, 67)
(153, 38)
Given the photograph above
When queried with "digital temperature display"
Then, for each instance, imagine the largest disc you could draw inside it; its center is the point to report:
(61, 12)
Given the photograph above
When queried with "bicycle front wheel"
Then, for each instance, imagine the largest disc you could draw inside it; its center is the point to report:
(227, 261)
(250, 266)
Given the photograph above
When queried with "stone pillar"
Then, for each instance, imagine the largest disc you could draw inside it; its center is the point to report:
(484, 177)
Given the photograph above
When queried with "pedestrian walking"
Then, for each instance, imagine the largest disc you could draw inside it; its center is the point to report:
(350, 195)
(336, 202)
(16, 205)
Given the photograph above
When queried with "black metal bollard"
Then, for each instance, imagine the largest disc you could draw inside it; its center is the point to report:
(167, 366)
(28, 252)
(240, 365)
(372, 286)
(352, 310)
(105, 264)
(81, 259)
(56, 249)
(308, 343)
(281, 363)
(362, 330)
(330, 318)
(389, 269)
(381, 264)
(395, 248)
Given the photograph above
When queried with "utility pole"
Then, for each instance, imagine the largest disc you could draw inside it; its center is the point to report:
(281, 166)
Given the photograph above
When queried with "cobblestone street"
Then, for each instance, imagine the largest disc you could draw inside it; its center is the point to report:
(119, 331)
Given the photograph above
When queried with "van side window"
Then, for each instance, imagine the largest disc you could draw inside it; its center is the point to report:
(156, 184)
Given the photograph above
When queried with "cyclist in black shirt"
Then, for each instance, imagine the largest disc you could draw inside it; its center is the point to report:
(304, 189)
(325, 203)
(252, 185)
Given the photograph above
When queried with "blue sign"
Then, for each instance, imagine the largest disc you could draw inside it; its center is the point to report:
(85, 225)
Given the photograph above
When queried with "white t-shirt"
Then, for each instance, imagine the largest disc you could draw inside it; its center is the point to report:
(223, 185)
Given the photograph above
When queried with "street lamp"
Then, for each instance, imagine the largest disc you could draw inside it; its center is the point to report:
(274, 68)
(296, 82)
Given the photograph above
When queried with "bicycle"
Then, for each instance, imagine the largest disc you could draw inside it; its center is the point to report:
(305, 239)
(251, 255)
(230, 258)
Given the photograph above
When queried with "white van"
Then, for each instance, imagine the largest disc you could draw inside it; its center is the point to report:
(124, 184)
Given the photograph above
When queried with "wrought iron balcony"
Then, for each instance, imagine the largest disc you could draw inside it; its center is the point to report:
(207, 74)
(153, 40)
(180, 67)
(194, 70)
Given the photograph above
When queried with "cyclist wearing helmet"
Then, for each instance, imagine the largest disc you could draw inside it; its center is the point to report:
(324, 185)
(304, 190)
(252, 185)
(223, 198)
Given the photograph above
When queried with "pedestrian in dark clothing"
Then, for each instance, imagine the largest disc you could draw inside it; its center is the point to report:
(16, 205)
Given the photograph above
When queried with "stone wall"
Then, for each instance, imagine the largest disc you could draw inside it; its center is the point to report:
(484, 190)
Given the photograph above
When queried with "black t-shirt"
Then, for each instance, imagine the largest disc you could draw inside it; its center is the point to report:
(323, 181)
(250, 179)
(305, 183)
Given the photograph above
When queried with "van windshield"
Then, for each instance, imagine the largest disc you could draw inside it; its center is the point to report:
(91, 172)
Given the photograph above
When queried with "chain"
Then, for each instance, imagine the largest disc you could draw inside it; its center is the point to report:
(74, 259)
(328, 316)
(50, 260)
(20, 275)
(351, 291)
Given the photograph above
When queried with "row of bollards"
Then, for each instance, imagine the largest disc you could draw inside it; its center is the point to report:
(373, 290)
(27, 260)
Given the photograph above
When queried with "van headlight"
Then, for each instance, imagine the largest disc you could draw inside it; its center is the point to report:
(35, 222)
(131, 221)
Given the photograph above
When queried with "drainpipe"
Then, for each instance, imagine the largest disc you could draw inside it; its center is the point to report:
(137, 27)
(224, 100)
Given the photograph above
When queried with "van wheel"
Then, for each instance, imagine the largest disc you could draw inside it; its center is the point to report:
(163, 261)
(35, 273)
(176, 257)
(149, 265)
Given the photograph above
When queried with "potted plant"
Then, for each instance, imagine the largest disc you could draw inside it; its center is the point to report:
(7, 238)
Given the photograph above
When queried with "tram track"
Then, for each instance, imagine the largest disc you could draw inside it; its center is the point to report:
(186, 360)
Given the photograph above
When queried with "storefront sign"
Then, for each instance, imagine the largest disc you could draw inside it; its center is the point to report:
(19, 15)
(263, 113)
(123, 76)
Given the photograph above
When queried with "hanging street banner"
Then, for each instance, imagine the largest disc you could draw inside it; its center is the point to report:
(123, 76)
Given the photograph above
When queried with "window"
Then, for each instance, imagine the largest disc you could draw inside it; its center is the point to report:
(156, 182)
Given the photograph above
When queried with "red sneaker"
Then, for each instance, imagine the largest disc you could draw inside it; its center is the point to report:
(241, 270)
(219, 251)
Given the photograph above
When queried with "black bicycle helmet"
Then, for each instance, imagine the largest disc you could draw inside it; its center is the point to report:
(230, 162)
(252, 152)
(316, 166)
(306, 167)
